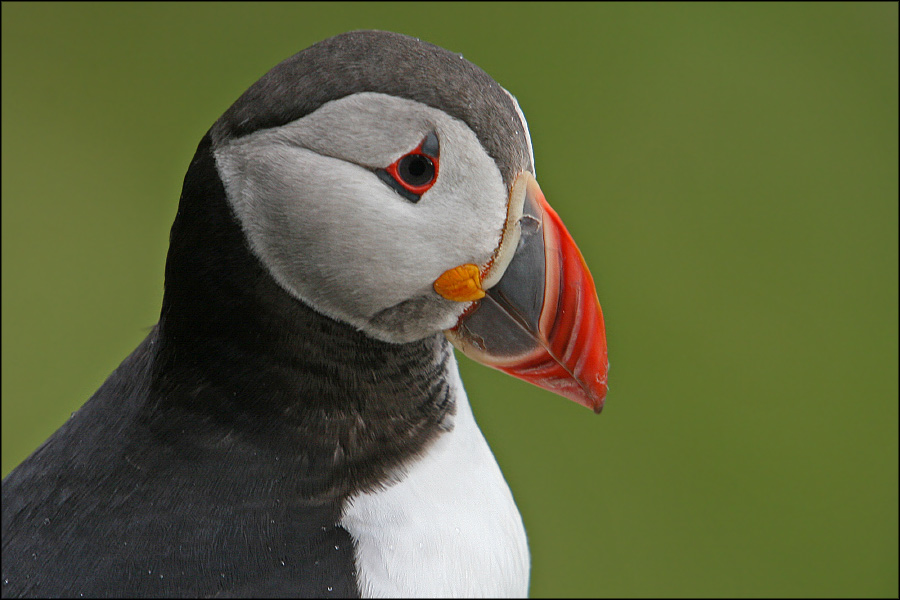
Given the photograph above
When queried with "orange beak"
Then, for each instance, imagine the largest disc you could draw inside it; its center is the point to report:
(540, 320)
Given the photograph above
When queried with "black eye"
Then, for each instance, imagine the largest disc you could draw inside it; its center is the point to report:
(415, 170)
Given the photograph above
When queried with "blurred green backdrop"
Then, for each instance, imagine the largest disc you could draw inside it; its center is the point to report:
(729, 171)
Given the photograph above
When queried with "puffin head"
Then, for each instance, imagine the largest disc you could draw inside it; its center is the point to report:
(389, 184)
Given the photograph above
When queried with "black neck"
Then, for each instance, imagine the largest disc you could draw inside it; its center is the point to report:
(237, 351)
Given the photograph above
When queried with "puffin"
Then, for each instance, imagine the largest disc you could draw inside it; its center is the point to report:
(295, 424)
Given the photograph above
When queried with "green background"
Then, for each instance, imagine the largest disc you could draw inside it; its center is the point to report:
(729, 171)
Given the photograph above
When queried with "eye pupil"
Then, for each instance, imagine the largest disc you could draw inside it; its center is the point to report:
(415, 170)
(417, 167)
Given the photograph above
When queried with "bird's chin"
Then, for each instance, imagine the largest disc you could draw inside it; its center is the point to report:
(415, 319)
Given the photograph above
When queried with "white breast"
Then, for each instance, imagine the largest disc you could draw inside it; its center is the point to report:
(450, 528)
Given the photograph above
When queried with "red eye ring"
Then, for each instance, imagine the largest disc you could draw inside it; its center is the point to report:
(415, 172)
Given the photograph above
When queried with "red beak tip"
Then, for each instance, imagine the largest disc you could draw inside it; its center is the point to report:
(597, 397)
(597, 404)
(593, 398)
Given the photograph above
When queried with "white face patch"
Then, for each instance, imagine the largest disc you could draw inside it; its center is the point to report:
(337, 237)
